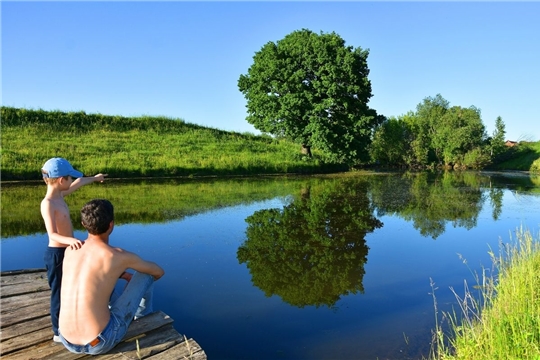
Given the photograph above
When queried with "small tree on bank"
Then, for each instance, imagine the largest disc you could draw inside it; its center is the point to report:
(314, 90)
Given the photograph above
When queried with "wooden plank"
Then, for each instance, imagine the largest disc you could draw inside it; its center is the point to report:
(29, 339)
(24, 288)
(148, 323)
(33, 340)
(22, 278)
(28, 313)
(26, 327)
(151, 343)
(38, 351)
(21, 271)
(185, 350)
(18, 302)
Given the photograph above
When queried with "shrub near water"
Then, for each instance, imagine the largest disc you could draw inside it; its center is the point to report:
(506, 325)
(141, 146)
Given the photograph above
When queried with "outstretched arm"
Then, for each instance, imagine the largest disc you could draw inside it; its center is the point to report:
(77, 183)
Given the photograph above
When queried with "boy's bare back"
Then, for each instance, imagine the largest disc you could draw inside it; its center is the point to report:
(90, 275)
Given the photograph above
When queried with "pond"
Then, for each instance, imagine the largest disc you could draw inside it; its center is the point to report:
(319, 267)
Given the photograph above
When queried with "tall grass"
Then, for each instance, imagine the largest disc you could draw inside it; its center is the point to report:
(140, 147)
(504, 321)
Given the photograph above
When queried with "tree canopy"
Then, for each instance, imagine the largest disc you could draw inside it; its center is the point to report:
(314, 90)
(435, 134)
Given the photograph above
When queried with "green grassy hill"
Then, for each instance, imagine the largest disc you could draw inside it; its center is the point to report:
(141, 147)
(525, 156)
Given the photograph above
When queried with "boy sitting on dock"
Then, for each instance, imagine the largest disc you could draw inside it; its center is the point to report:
(92, 319)
(59, 176)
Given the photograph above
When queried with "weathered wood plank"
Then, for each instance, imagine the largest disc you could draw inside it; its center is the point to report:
(18, 302)
(143, 325)
(148, 323)
(12, 279)
(21, 271)
(26, 327)
(24, 288)
(28, 313)
(185, 350)
(38, 351)
(26, 334)
(21, 342)
(150, 343)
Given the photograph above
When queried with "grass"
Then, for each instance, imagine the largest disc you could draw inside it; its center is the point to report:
(504, 321)
(141, 147)
(525, 157)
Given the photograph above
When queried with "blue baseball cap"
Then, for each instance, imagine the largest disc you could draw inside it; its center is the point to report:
(58, 167)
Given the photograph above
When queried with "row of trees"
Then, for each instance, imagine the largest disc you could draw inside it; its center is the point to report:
(314, 90)
(437, 134)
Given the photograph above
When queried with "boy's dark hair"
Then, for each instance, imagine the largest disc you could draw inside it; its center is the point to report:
(96, 215)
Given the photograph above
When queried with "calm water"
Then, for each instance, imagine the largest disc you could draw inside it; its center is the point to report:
(300, 268)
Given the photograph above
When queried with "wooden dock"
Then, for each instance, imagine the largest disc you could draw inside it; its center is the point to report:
(26, 334)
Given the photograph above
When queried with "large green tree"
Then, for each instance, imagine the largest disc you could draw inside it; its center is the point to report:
(314, 90)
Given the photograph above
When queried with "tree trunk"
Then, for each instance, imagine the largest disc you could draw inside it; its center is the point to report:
(306, 150)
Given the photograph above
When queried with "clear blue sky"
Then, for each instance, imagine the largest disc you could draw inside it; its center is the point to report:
(183, 59)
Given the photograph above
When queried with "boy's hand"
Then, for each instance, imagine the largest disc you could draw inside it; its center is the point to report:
(76, 244)
(100, 177)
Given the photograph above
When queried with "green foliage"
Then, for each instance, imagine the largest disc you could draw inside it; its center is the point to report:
(504, 321)
(477, 158)
(390, 142)
(525, 156)
(312, 251)
(313, 89)
(139, 147)
(435, 134)
(431, 200)
(459, 131)
(535, 167)
(498, 138)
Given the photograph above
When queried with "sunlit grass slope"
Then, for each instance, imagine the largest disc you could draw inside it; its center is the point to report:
(140, 147)
(525, 156)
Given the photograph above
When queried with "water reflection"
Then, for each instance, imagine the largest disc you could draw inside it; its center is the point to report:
(313, 250)
(306, 241)
(430, 201)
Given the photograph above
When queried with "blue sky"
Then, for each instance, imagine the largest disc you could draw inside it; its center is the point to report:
(183, 59)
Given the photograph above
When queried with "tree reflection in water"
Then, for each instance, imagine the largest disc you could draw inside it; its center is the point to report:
(312, 251)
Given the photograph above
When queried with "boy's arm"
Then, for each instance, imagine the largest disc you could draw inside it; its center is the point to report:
(48, 214)
(133, 261)
(77, 183)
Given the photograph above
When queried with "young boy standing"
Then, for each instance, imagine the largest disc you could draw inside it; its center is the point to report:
(59, 176)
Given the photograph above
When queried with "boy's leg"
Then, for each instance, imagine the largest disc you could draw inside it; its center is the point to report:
(136, 299)
(53, 263)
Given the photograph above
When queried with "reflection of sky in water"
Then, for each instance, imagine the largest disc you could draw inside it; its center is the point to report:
(211, 298)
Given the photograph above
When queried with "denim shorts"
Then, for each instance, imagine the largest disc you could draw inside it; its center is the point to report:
(135, 300)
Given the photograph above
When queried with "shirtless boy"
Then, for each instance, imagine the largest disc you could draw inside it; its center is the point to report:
(59, 176)
(87, 324)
